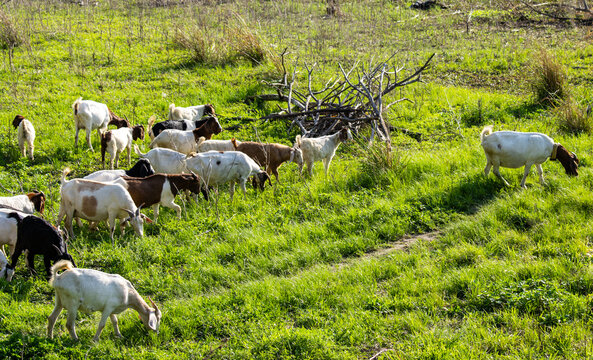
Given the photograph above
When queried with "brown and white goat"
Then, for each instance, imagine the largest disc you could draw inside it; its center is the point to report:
(270, 156)
(26, 135)
(116, 141)
(28, 203)
(91, 115)
(161, 189)
(186, 141)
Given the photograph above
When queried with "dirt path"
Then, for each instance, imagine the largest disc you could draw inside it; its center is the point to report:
(403, 244)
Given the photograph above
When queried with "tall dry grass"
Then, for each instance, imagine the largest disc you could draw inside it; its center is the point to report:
(548, 80)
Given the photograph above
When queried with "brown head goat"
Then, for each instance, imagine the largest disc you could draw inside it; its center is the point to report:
(270, 156)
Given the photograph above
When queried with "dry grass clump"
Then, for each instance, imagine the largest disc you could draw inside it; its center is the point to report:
(10, 37)
(548, 80)
(573, 118)
(236, 42)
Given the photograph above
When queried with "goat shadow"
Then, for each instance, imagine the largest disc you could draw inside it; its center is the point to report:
(467, 195)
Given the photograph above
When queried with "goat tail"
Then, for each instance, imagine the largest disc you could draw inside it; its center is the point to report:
(234, 142)
(171, 107)
(485, 132)
(65, 172)
(60, 265)
(297, 140)
(75, 105)
(137, 150)
(200, 142)
(151, 120)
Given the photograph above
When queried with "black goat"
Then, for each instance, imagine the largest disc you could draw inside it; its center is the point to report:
(176, 124)
(141, 168)
(38, 237)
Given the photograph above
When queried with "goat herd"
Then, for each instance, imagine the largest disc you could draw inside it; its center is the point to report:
(183, 158)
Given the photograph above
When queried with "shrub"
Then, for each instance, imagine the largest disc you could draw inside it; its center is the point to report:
(246, 44)
(572, 118)
(209, 47)
(200, 44)
(9, 34)
(379, 163)
(548, 80)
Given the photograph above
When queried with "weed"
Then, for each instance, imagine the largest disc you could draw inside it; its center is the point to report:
(548, 80)
(572, 118)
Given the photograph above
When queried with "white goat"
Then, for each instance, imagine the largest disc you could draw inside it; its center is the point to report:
(95, 201)
(164, 160)
(321, 148)
(178, 140)
(217, 168)
(513, 149)
(190, 113)
(90, 290)
(25, 134)
(91, 115)
(142, 168)
(8, 230)
(116, 141)
(28, 204)
(218, 145)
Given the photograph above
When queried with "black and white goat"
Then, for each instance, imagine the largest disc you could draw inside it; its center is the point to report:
(37, 237)
(141, 169)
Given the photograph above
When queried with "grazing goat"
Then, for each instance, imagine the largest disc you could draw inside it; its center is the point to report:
(96, 201)
(217, 167)
(37, 237)
(3, 263)
(192, 112)
(164, 160)
(91, 115)
(142, 168)
(218, 145)
(161, 189)
(28, 204)
(8, 229)
(116, 141)
(186, 141)
(513, 149)
(25, 134)
(156, 129)
(90, 290)
(119, 122)
(270, 156)
(321, 148)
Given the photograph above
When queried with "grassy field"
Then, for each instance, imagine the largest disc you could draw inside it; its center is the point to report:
(426, 258)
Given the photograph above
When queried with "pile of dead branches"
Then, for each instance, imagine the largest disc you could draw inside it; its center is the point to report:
(355, 98)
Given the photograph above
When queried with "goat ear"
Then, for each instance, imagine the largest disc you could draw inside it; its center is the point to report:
(152, 321)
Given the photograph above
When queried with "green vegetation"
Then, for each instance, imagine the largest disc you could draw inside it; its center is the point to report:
(316, 268)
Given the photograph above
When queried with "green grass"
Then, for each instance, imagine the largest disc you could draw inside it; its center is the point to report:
(301, 271)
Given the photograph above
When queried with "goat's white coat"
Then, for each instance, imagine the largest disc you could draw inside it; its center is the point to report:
(186, 113)
(182, 141)
(91, 115)
(217, 145)
(90, 290)
(217, 168)
(512, 149)
(121, 139)
(105, 175)
(165, 161)
(18, 202)
(322, 148)
(26, 136)
(8, 230)
(112, 202)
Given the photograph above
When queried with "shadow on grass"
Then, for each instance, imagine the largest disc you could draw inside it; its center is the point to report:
(466, 196)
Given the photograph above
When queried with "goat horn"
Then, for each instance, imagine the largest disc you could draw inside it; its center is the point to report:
(158, 312)
(130, 212)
